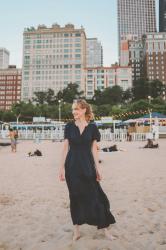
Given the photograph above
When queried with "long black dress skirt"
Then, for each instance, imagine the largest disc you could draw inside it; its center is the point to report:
(88, 203)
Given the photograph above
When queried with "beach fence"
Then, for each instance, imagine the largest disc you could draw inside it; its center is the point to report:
(58, 135)
(106, 135)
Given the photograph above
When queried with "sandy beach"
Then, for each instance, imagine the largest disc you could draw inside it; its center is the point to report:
(34, 204)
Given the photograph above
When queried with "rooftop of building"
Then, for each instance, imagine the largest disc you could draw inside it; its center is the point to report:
(155, 35)
(11, 68)
(42, 28)
(107, 68)
(92, 38)
(4, 49)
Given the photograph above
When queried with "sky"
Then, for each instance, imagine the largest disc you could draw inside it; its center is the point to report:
(99, 19)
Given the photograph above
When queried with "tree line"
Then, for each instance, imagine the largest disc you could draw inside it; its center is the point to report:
(112, 101)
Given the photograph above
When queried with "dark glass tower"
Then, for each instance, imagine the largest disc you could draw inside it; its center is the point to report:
(136, 17)
(162, 15)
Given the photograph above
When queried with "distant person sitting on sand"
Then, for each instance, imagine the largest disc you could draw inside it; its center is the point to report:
(4, 144)
(113, 148)
(36, 153)
(150, 144)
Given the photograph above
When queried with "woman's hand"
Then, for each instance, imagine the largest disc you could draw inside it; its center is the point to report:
(62, 174)
(98, 174)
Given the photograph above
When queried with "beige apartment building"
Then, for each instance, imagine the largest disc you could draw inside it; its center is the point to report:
(104, 77)
(52, 58)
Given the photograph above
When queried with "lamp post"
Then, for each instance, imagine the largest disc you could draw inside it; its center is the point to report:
(60, 102)
(59, 108)
(149, 98)
(18, 116)
(150, 114)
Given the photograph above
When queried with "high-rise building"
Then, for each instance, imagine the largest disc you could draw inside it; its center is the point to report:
(94, 53)
(136, 17)
(162, 15)
(52, 58)
(156, 56)
(10, 87)
(133, 53)
(4, 58)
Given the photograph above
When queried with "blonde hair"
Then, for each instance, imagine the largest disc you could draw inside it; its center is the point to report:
(84, 105)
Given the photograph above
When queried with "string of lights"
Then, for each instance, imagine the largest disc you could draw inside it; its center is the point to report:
(120, 116)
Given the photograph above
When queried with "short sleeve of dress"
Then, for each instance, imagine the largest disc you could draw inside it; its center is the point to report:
(66, 131)
(96, 134)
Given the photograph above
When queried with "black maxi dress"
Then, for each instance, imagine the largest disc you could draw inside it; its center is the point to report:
(88, 203)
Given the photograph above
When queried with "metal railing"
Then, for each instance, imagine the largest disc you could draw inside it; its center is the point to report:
(122, 136)
(58, 134)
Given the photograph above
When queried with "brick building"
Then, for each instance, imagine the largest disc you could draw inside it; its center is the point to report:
(10, 87)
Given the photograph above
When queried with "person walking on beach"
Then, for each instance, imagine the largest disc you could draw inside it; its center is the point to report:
(13, 138)
(80, 167)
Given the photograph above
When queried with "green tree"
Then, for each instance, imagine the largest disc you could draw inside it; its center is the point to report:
(156, 88)
(103, 110)
(109, 95)
(17, 110)
(143, 88)
(50, 97)
(127, 95)
(1, 115)
(140, 105)
(59, 96)
(8, 116)
(40, 97)
(116, 95)
(70, 93)
(112, 95)
(140, 89)
(97, 98)
(116, 110)
(28, 110)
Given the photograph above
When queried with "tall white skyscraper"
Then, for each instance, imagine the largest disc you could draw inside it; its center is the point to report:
(94, 53)
(136, 17)
(52, 58)
(4, 58)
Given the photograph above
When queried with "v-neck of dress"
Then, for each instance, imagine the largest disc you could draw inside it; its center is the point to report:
(83, 129)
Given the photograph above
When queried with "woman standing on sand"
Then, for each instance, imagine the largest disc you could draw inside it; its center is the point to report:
(13, 140)
(80, 168)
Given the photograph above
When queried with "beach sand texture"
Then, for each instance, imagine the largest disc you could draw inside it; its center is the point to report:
(34, 204)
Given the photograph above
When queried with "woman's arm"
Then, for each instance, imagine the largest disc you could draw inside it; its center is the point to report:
(63, 158)
(96, 159)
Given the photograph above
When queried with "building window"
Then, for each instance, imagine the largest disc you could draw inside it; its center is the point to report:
(77, 39)
(78, 66)
(78, 45)
(77, 50)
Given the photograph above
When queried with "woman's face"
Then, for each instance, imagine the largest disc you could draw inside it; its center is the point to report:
(77, 111)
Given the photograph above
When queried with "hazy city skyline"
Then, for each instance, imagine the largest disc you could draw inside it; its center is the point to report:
(99, 19)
